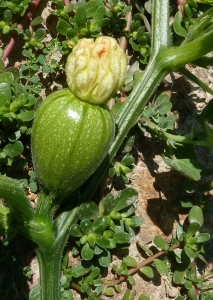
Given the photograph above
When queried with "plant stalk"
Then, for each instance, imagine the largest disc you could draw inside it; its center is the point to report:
(50, 273)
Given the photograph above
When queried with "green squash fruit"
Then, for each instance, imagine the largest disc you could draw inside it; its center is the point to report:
(70, 138)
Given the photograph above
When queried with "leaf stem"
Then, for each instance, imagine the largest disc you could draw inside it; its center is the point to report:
(145, 262)
(196, 80)
(168, 136)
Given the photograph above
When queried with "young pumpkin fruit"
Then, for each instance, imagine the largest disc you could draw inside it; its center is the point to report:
(70, 138)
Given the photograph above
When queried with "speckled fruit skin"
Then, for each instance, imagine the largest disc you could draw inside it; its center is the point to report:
(70, 138)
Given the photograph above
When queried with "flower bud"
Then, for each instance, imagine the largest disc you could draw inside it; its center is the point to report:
(96, 69)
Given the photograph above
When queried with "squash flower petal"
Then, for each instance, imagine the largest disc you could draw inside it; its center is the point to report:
(96, 70)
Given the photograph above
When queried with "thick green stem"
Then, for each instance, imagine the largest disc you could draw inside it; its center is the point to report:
(50, 273)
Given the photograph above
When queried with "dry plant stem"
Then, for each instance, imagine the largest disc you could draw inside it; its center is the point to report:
(145, 262)
(27, 18)
(67, 2)
(123, 39)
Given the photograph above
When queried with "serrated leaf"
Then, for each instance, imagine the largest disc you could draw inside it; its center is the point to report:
(187, 167)
(147, 271)
(160, 242)
(161, 266)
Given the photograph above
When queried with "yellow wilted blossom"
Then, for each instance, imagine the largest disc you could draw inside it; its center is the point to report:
(96, 70)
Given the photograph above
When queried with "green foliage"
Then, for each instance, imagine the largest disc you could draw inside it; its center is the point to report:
(112, 226)
(16, 115)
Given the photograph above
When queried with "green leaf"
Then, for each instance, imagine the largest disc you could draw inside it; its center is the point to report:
(80, 17)
(88, 211)
(105, 259)
(121, 238)
(130, 261)
(189, 252)
(160, 242)
(86, 226)
(178, 276)
(127, 160)
(15, 199)
(161, 266)
(14, 149)
(102, 242)
(25, 116)
(86, 252)
(196, 215)
(187, 167)
(99, 225)
(35, 293)
(202, 238)
(144, 297)
(109, 203)
(109, 291)
(209, 131)
(6, 77)
(145, 249)
(67, 294)
(33, 187)
(36, 21)
(98, 15)
(14, 136)
(5, 93)
(125, 198)
(80, 269)
(40, 34)
(129, 295)
(62, 27)
(192, 229)
(178, 28)
(148, 271)
(91, 6)
(75, 230)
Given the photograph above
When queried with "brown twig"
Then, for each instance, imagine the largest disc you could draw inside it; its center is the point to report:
(140, 265)
(67, 2)
(27, 18)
